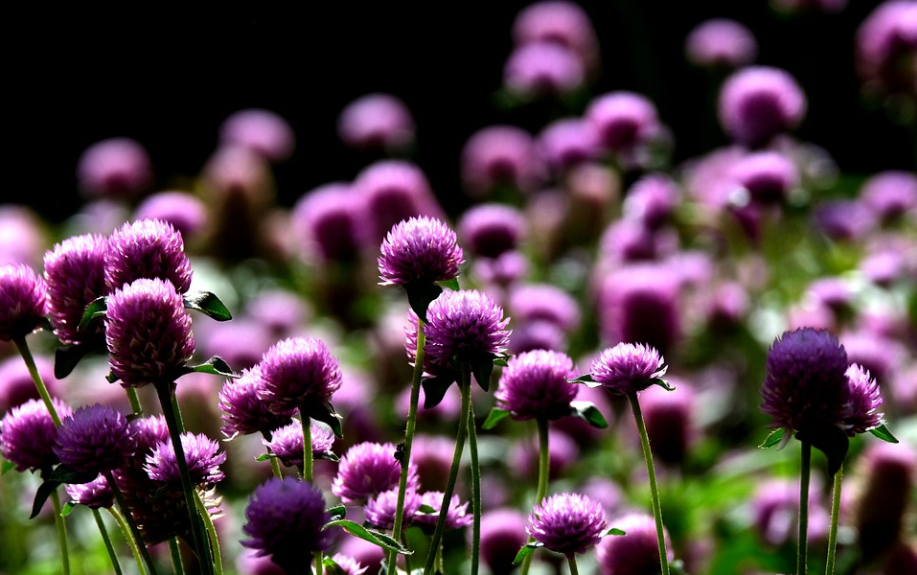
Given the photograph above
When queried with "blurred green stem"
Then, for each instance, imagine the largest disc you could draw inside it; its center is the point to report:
(132, 525)
(177, 566)
(802, 539)
(275, 467)
(306, 423)
(571, 561)
(126, 532)
(544, 468)
(134, 400)
(211, 532)
(61, 532)
(115, 563)
(651, 473)
(835, 512)
(23, 348)
(475, 491)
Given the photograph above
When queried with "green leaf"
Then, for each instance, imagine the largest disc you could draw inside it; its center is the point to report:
(68, 509)
(589, 413)
(41, 495)
(6, 467)
(494, 417)
(420, 296)
(501, 361)
(111, 377)
(613, 531)
(884, 434)
(830, 440)
(374, 537)
(663, 384)
(208, 304)
(214, 366)
(434, 389)
(265, 457)
(773, 438)
(96, 308)
(326, 414)
(337, 512)
(427, 510)
(451, 284)
(482, 367)
(526, 550)
(586, 379)
(63, 474)
(330, 567)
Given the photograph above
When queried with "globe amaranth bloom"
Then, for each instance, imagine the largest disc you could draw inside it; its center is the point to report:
(464, 325)
(376, 121)
(202, 455)
(148, 333)
(534, 385)
(501, 155)
(392, 191)
(543, 69)
(263, 132)
(635, 552)
(95, 439)
(95, 495)
(27, 435)
(623, 120)
(243, 412)
(183, 211)
(419, 251)
(559, 22)
(330, 223)
(147, 249)
(298, 373)
(75, 276)
(501, 537)
(380, 509)
(284, 519)
(490, 230)
(768, 177)
(114, 168)
(22, 301)
(567, 523)
(368, 469)
(456, 514)
(569, 142)
(628, 368)
(286, 443)
(720, 42)
(860, 412)
(759, 102)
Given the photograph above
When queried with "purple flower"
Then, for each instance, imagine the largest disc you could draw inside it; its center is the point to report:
(95, 439)
(568, 142)
(114, 168)
(490, 230)
(183, 211)
(567, 523)
(639, 303)
(147, 249)
(241, 343)
(380, 509)
(376, 121)
(537, 334)
(628, 368)
(27, 435)
(885, 45)
(767, 176)
(669, 423)
(148, 333)
(286, 443)
(392, 191)
(298, 373)
(501, 537)
(243, 412)
(75, 276)
(500, 156)
(534, 385)
(860, 413)
(419, 251)
(16, 384)
(263, 132)
(368, 469)
(560, 22)
(95, 495)
(543, 69)
(843, 220)
(805, 385)
(651, 200)
(330, 222)
(544, 302)
(149, 431)
(456, 514)
(285, 518)
(349, 565)
(759, 102)
(634, 553)
(202, 454)
(890, 194)
(22, 301)
(721, 42)
(623, 120)
(464, 324)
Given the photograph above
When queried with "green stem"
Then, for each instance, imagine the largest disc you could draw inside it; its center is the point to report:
(544, 468)
(453, 474)
(132, 525)
(835, 511)
(651, 472)
(177, 566)
(475, 491)
(306, 423)
(61, 532)
(319, 567)
(126, 532)
(802, 548)
(134, 400)
(116, 565)
(23, 348)
(571, 561)
(409, 431)
(211, 532)
(275, 467)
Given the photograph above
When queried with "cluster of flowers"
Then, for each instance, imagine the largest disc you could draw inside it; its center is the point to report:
(606, 259)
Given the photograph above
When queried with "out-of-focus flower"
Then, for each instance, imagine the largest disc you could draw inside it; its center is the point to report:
(561, 22)
(368, 469)
(286, 443)
(264, 132)
(183, 211)
(651, 200)
(567, 523)
(890, 194)
(348, 565)
(885, 474)
(843, 220)
(75, 276)
(28, 434)
(498, 156)
(568, 142)
(376, 121)
(768, 177)
(628, 368)
(114, 168)
(380, 509)
(95, 439)
(543, 69)
(330, 222)
(392, 191)
(721, 42)
(640, 303)
(147, 249)
(22, 301)
(669, 422)
(95, 495)
(759, 102)
(534, 385)
(635, 552)
(490, 230)
(21, 238)
(544, 302)
(886, 48)
(298, 373)
(17, 386)
(502, 535)
(623, 120)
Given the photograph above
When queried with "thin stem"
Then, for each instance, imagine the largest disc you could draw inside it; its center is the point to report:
(177, 566)
(23, 348)
(306, 446)
(475, 491)
(319, 566)
(453, 474)
(571, 561)
(544, 468)
(132, 525)
(115, 563)
(409, 431)
(61, 532)
(275, 467)
(835, 511)
(802, 548)
(126, 532)
(651, 472)
(134, 400)
(211, 531)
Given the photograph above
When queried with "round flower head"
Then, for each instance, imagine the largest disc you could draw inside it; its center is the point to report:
(559, 22)
(500, 156)
(628, 368)
(767, 176)
(843, 220)
(623, 120)
(147, 249)
(22, 301)
(380, 509)
(544, 302)
(114, 168)
(636, 552)
(534, 385)
(376, 121)
(95, 439)
(202, 454)
(95, 495)
(759, 102)
(490, 230)
(721, 42)
(331, 222)
(568, 142)
(890, 194)
(368, 469)
(392, 191)
(651, 200)
(886, 44)
(456, 515)
(464, 324)
(639, 303)
(264, 132)
(543, 69)
(149, 431)
(861, 411)
(27, 435)
(805, 385)
(567, 523)
(75, 276)
(286, 443)
(243, 412)
(298, 373)
(419, 251)
(284, 519)
(501, 537)
(148, 333)
(183, 211)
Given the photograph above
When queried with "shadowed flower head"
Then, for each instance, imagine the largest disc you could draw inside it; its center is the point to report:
(860, 413)
(759, 102)
(298, 373)
(286, 443)
(568, 142)
(567, 523)
(22, 301)
(380, 509)
(27, 435)
(501, 537)
(368, 469)
(147, 249)
(202, 454)
(721, 42)
(623, 120)
(886, 474)
(464, 324)
(500, 156)
(544, 302)
(394, 190)
(148, 332)
(534, 385)
(456, 515)
(183, 211)
(560, 22)
(75, 276)
(264, 132)
(490, 230)
(95, 439)
(767, 176)
(95, 495)
(651, 200)
(543, 69)
(376, 121)
(890, 194)
(17, 386)
(284, 519)
(640, 303)
(330, 222)
(149, 431)
(419, 251)
(636, 552)
(628, 368)
(886, 44)
(243, 412)
(114, 168)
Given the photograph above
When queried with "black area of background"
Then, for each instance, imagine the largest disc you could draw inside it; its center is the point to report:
(168, 79)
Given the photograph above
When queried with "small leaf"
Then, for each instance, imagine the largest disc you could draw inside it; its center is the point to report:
(420, 296)
(830, 440)
(330, 567)
(214, 366)
(6, 467)
(663, 384)
(265, 457)
(434, 389)
(68, 509)
(494, 417)
(326, 414)
(451, 284)
(337, 512)
(589, 413)
(41, 495)
(111, 377)
(526, 550)
(884, 434)
(586, 379)
(773, 438)
(614, 531)
(373, 537)
(96, 308)
(427, 510)
(482, 367)
(501, 361)
(209, 304)
(326, 456)
(63, 474)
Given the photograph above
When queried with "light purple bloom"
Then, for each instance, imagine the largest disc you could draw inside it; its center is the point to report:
(464, 324)
(298, 373)
(886, 42)
(843, 220)
(368, 469)
(568, 142)
(286, 443)
(419, 251)
(380, 509)
(501, 156)
(534, 385)
(890, 194)
(262, 131)
(628, 368)
(149, 431)
(147, 249)
(860, 412)
(669, 421)
(183, 211)
(490, 230)
(651, 200)
(767, 176)
(545, 302)
(759, 102)
(114, 168)
(95, 495)
(27, 435)
(376, 121)
(635, 552)
(623, 120)
(75, 276)
(243, 412)
(22, 301)
(456, 514)
(330, 222)
(537, 334)
(721, 42)
(640, 303)
(202, 454)
(95, 439)
(543, 69)
(561, 22)
(567, 523)
(392, 191)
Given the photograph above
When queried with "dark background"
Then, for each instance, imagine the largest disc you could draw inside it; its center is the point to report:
(169, 79)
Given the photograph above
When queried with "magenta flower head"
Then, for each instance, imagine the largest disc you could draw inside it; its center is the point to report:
(890, 194)
(392, 191)
(543, 69)
(628, 368)
(376, 121)
(202, 454)
(567, 523)
(886, 47)
(490, 230)
(501, 537)
(759, 102)
(419, 251)
(263, 132)
(114, 168)
(380, 509)
(639, 303)
(569, 142)
(534, 386)
(75, 276)
(243, 412)
(560, 22)
(623, 120)
(500, 156)
(286, 443)
(368, 469)
(721, 42)
(651, 200)
(284, 519)
(22, 301)
(545, 302)
(767, 176)
(456, 515)
(147, 249)
(633, 553)
(148, 333)
(861, 411)
(95, 495)
(27, 435)
(330, 222)
(95, 439)
(183, 211)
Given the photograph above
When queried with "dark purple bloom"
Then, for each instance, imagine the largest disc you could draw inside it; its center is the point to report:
(22, 301)
(623, 120)
(285, 518)
(148, 332)
(147, 249)
(183, 211)
(376, 121)
(669, 422)
(202, 454)
(767, 176)
(286, 443)
(75, 276)
(543, 69)
(534, 385)
(636, 552)
(886, 43)
(545, 302)
(490, 230)
(27, 435)
(861, 411)
(456, 515)
(569, 142)
(567, 523)
(243, 412)
(721, 42)
(843, 220)
(628, 368)
(464, 324)
(651, 200)
(502, 535)
(419, 251)
(805, 386)
(95, 439)
(887, 473)
(298, 373)
(95, 495)
(759, 102)
(639, 303)
(16, 384)
(500, 156)
(380, 509)
(263, 132)
(368, 469)
(114, 168)
(890, 194)
(330, 222)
